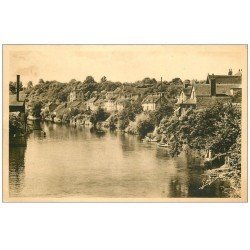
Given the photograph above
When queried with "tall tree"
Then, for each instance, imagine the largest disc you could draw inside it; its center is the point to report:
(148, 80)
(98, 116)
(29, 85)
(13, 87)
(41, 81)
(89, 79)
(37, 106)
(103, 79)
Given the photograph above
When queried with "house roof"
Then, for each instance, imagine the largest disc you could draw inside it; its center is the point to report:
(76, 89)
(122, 101)
(60, 106)
(134, 97)
(60, 109)
(117, 90)
(48, 104)
(151, 99)
(208, 101)
(202, 89)
(188, 102)
(99, 102)
(225, 79)
(92, 100)
(111, 99)
(82, 106)
(74, 104)
(187, 91)
(52, 107)
(224, 89)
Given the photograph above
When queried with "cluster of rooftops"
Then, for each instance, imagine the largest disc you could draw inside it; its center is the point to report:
(216, 86)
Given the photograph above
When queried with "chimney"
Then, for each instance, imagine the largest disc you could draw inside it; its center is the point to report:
(213, 86)
(17, 87)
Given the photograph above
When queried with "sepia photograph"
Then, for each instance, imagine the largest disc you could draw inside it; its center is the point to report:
(125, 123)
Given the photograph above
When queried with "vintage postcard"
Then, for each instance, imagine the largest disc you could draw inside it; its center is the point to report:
(125, 123)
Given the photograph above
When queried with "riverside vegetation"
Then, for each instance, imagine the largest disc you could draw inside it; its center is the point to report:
(216, 128)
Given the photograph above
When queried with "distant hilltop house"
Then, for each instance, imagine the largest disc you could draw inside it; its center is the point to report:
(60, 109)
(99, 103)
(50, 107)
(76, 95)
(90, 104)
(152, 102)
(120, 104)
(110, 104)
(217, 88)
(111, 94)
(125, 99)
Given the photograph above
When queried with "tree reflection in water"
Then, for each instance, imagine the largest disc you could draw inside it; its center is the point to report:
(188, 179)
(16, 169)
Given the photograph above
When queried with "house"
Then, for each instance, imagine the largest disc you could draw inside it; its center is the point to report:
(73, 105)
(225, 79)
(83, 106)
(90, 104)
(60, 110)
(222, 88)
(185, 94)
(110, 104)
(121, 103)
(152, 102)
(76, 95)
(50, 107)
(124, 99)
(99, 103)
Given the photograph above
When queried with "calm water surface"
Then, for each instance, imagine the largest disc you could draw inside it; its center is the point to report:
(75, 162)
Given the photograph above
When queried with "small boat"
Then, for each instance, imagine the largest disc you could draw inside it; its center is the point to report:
(148, 139)
(32, 118)
(154, 140)
(163, 145)
(100, 131)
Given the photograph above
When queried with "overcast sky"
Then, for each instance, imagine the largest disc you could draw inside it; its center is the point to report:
(125, 63)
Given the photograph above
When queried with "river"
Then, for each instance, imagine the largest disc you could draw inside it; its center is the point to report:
(75, 162)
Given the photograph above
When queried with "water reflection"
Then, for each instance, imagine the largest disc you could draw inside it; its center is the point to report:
(16, 169)
(77, 162)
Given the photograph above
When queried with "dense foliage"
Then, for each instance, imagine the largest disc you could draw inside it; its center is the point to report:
(128, 114)
(15, 124)
(36, 109)
(217, 128)
(13, 87)
(54, 91)
(165, 110)
(98, 116)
